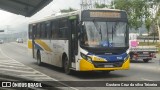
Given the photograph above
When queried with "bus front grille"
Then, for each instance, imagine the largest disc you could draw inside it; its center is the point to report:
(108, 64)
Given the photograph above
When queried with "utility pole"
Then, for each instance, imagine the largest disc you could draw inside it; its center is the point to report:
(88, 4)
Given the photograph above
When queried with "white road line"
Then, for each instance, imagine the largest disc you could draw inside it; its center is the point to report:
(10, 66)
(38, 71)
(20, 71)
(20, 44)
(146, 79)
(14, 64)
(33, 75)
(8, 62)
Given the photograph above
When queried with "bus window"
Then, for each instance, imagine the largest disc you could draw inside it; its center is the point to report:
(34, 28)
(43, 31)
(48, 30)
(38, 31)
(54, 30)
(63, 29)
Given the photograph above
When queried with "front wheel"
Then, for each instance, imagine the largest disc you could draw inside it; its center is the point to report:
(145, 60)
(66, 66)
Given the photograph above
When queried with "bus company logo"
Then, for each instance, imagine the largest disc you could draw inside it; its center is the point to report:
(6, 84)
(119, 58)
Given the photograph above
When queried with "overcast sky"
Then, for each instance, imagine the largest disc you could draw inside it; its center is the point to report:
(14, 22)
(18, 22)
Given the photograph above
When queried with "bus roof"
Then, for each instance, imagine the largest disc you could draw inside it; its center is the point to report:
(106, 9)
(69, 14)
(57, 16)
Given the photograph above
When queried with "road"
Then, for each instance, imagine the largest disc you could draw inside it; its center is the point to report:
(139, 71)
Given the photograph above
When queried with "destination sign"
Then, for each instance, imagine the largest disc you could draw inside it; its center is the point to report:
(105, 14)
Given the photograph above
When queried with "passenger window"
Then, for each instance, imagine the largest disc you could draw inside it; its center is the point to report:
(43, 31)
(38, 31)
(63, 28)
(48, 30)
(54, 30)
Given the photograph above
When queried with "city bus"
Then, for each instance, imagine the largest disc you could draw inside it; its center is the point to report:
(85, 40)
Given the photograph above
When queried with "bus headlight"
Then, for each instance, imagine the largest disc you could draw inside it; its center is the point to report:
(86, 57)
(126, 57)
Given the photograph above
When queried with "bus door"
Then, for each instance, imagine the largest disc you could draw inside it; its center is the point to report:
(73, 41)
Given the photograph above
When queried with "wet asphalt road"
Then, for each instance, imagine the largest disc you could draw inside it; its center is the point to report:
(139, 71)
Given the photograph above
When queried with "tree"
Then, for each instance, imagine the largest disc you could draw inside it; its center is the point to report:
(137, 11)
(67, 10)
(100, 5)
(156, 19)
(148, 25)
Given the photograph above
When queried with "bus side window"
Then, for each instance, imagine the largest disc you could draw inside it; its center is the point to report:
(43, 30)
(54, 30)
(63, 27)
(38, 31)
(34, 31)
(48, 30)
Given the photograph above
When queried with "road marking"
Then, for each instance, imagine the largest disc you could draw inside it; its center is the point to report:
(50, 78)
(144, 67)
(20, 44)
(146, 79)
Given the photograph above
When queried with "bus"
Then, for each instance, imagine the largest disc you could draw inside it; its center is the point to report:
(85, 40)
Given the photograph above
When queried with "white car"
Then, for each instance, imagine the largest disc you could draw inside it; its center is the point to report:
(1, 41)
(19, 40)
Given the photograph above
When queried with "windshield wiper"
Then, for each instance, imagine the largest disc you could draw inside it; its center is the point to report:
(98, 29)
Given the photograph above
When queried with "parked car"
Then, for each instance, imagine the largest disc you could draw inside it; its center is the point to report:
(19, 40)
(1, 42)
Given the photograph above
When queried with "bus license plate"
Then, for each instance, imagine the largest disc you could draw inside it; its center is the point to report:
(108, 65)
(145, 52)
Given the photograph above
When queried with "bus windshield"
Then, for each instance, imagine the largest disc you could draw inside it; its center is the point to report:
(104, 34)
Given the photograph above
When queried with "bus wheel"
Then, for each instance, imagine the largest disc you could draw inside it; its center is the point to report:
(39, 58)
(145, 60)
(66, 66)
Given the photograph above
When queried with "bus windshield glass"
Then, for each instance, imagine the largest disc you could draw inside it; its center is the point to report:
(104, 34)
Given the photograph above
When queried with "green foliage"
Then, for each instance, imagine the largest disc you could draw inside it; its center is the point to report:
(137, 10)
(100, 5)
(97, 5)
(67, 10)
(148, 23)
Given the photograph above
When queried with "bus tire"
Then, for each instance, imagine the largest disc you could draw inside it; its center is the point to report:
(66, 65)
(39, 58)
(146, 60)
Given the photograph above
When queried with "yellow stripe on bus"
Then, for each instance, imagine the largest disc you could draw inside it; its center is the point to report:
(29, 44)
(41, 44)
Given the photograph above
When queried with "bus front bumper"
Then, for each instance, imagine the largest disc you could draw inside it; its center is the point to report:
(87, 66)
